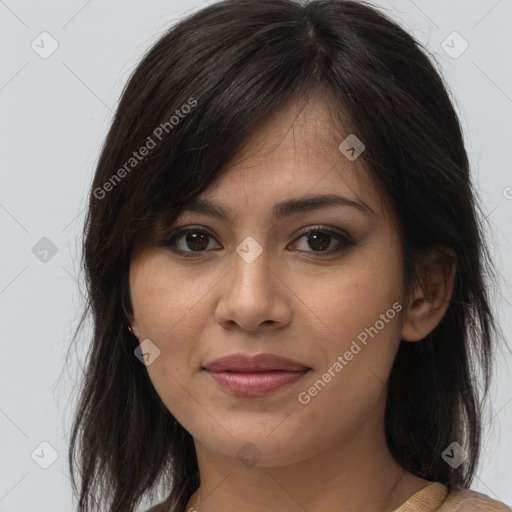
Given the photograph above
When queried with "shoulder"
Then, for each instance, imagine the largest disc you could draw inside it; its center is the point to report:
(467, 500)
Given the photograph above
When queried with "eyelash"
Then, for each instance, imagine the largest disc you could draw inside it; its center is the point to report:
(170, 240)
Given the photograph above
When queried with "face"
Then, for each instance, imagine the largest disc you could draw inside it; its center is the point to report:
(319, 283)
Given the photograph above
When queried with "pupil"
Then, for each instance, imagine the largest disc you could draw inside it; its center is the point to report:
(315, 241)
(197, 241)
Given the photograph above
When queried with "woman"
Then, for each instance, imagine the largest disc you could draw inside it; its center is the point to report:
(286, 274)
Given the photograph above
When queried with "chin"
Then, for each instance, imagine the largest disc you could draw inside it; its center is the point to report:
(261, 450)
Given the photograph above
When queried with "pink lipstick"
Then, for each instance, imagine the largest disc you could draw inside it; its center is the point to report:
(252, 376)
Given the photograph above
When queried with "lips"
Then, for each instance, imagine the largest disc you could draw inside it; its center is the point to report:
(250, 364)
(252, 376)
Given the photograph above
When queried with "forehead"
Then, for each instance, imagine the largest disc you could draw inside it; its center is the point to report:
(294, 152)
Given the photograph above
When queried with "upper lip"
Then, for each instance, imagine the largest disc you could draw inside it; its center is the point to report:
(256, 363)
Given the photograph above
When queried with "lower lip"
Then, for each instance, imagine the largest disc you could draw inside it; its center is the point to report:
(255, 384)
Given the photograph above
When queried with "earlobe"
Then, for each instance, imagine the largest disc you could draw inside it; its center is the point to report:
(431, 297)
(133, 327)
(129, 315)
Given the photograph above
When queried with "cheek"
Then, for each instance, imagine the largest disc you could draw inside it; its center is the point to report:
(349, 389)
(172, 311)
(169, 306)
(353, 298)
(358, 317)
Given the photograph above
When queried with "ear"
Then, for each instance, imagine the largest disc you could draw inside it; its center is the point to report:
(431, 297)
(133, 326)
(128, 309)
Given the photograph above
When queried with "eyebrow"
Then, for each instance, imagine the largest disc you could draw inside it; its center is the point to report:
(284, 208)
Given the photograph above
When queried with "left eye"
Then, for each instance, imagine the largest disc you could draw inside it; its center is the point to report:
(191, 242)
(321, 239)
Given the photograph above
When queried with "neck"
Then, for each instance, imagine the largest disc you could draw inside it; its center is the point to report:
(355, 476)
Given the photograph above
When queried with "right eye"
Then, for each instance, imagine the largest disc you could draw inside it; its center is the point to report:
(188, 241)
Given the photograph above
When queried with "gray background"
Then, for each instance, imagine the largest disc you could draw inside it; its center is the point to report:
(55, 112)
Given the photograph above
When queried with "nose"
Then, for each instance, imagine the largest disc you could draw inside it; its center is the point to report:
(253, 296)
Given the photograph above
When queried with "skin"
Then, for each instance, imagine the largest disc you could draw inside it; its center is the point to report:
(292, 300)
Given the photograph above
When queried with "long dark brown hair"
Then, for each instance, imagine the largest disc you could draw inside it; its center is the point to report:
(192, 102)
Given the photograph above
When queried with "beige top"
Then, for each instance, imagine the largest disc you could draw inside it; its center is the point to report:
(435, 497)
